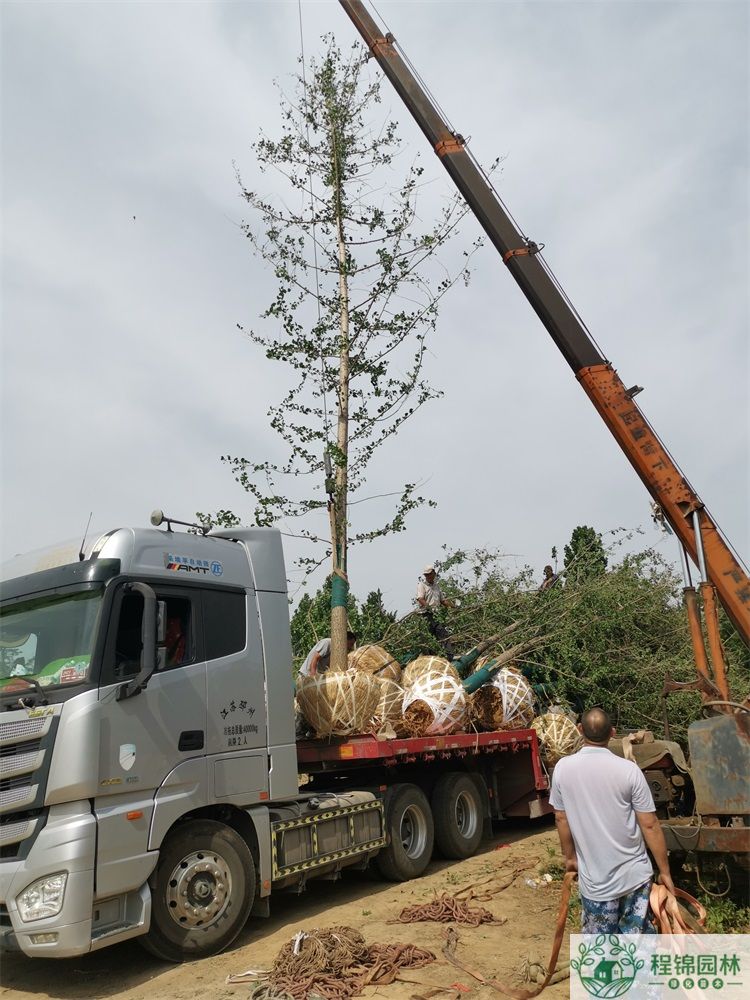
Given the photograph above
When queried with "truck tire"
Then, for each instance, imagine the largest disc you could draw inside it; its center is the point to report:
(457, 809)
(202, 894)
(411, 835)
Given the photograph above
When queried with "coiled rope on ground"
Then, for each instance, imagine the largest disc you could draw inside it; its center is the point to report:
(336, 963)
(445, 909)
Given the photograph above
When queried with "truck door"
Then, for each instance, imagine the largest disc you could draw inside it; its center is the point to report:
(236, 695)
(143, 738)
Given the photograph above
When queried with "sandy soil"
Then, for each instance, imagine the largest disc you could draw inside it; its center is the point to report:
(359, 900)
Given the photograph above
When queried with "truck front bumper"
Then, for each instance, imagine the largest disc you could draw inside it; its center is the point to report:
(67, 843)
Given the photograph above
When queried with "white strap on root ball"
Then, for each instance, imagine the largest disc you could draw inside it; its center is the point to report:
(435, 704)
(558, 736)
(372, 659)
(505, 702)
(391, 700)
(338, 703)
(427, 664)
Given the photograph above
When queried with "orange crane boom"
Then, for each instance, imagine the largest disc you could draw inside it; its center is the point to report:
(681, 505)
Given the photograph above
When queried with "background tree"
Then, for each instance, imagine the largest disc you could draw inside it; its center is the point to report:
(611, 636)
(584, 556)
(311, 620)
(357, 295)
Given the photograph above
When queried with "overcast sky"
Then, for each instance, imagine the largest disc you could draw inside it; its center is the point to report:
(625, 132)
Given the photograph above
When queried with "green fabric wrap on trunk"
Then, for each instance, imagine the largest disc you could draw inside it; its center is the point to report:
(339, 592)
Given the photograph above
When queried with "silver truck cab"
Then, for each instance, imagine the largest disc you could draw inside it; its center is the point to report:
(102, 754)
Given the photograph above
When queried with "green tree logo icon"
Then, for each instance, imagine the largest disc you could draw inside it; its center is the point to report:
(606, 967)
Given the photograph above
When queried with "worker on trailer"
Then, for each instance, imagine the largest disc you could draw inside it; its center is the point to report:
(550, 579)
(606, 818)
(318, 660)
(430, 599)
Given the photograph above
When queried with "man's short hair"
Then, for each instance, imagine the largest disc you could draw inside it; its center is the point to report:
(351, 636)
(596, 725)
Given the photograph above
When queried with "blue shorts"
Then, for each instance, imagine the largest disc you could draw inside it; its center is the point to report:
(626, 915)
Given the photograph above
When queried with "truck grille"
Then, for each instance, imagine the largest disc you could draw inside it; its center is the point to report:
(25, 751)
(24, 729)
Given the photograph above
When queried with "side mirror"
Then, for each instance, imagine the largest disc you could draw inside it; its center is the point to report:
(148, 641)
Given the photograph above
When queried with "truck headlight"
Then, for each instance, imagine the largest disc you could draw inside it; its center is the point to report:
(43, 898)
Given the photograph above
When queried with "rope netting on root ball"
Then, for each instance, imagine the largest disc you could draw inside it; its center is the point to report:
(372, 659)
(425, 665)
(435, 704)
(558, 736)
(506, 702)
(336, 963)
(338, 703)
(388, 710)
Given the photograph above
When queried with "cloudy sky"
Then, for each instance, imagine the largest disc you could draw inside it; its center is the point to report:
(625, 132)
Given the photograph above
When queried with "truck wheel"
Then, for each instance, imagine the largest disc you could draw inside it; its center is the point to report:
(411, 835)
(457, 808)
(203, 892)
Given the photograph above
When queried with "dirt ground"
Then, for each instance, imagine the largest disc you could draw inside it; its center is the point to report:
(358, 899)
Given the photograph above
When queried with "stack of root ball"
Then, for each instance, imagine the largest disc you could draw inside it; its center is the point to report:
(427, 698)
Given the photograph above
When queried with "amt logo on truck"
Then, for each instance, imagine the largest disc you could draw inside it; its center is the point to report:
(188, 564)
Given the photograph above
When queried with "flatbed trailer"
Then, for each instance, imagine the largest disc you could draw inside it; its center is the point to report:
(506, 766)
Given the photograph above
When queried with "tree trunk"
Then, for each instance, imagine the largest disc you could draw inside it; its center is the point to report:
(340, 593)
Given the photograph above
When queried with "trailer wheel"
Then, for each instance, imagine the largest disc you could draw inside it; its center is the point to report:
(457, 808)
(203, 891)
(411, 835)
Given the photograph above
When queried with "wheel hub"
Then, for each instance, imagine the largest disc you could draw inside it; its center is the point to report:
(413, 832)
(198, 889)
(466, 815)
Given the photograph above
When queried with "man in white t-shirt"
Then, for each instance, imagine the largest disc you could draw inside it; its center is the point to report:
(606, 818)
(318, 660)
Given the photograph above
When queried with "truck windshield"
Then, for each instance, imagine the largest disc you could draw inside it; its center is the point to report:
(48, 640)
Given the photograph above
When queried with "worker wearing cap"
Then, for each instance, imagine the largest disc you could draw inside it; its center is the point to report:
(430, 598)
(429, 595)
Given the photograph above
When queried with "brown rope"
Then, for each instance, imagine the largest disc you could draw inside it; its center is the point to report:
(518, 994)
(445, 909)
(336, 963)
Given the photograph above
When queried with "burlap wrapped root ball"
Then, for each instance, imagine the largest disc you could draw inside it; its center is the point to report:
(435, 704)
(558, 736)
(372, 659)
(505, 702)
(338, 703)
(427, 664)
(387, 717)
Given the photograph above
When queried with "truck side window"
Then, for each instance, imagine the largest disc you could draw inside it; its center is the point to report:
(224, 622)
(179, 638)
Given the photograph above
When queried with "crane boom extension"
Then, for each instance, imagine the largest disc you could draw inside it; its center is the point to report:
(665, 482)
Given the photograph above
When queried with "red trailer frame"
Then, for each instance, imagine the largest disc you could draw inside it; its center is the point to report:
(424, 760)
